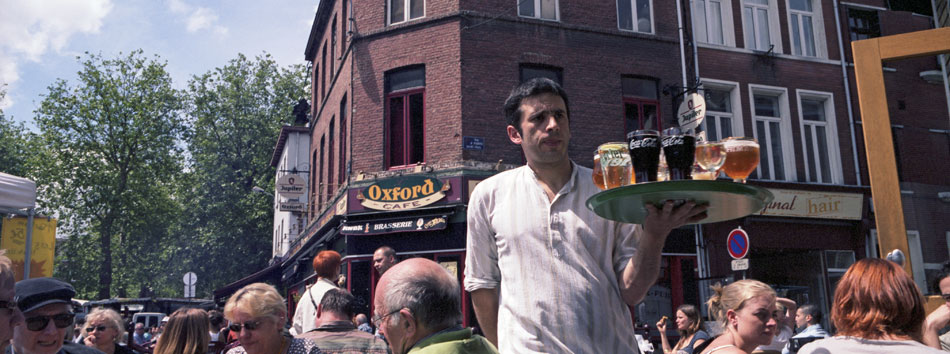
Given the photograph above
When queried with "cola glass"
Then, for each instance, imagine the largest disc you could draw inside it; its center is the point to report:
(679, 149)
(644, 147)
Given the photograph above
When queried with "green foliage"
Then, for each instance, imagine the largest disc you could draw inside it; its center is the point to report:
(15, 145)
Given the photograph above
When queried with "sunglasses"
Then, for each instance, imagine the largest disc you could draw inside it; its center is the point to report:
(249, 325)
(38, 323)
(96, 328)
(946, 297)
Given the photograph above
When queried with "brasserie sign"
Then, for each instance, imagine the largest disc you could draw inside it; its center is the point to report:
(403, 193)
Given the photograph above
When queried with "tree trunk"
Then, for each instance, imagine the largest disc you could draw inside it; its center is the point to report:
(105, 270)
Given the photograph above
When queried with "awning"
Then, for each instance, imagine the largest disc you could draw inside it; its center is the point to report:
(270, 274)
(17, 192)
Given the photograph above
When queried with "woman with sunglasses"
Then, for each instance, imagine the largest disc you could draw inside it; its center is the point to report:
(257, 314)
(185, 333)
(103, 330)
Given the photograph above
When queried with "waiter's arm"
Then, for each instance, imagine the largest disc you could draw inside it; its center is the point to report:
(485, 303)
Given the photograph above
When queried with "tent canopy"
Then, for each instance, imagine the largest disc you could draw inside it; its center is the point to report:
(17, 192)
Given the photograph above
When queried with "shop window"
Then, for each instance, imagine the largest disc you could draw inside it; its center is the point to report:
(531, 71)
(540, 9)
(635, 15)
(863, 24)
(819, 142)
(405, 10)
(405, 116)
(760, 25)
(712, 22)
(641, 105)
(772, 130)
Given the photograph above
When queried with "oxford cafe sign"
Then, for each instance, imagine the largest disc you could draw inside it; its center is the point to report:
(403, 193)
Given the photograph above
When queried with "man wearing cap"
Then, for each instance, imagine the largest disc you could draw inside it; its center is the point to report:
(46, 304)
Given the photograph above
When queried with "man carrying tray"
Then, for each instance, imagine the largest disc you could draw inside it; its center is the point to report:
(546, 274)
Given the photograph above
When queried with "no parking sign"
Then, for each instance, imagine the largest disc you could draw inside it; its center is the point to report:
(737, 244)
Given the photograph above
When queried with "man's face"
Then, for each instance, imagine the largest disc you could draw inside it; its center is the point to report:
(545, 131)
(800, 318)
(9, 318)
(945, 289)
(381, 262)
(395, 333)
(47, 340)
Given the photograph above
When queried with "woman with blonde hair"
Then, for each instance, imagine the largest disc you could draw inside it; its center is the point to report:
(103, 330)
(185, 333)
(877, 309)
(689, 326)
(257, 315)
(745, 310)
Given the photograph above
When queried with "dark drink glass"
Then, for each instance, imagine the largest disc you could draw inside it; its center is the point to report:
(644, 146)
(680, 150)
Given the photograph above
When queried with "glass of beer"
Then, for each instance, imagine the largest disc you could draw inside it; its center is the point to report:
(679, 149)
(598, 172)
(742, 157)
(645, 152)
(711, 155)
(615, 164)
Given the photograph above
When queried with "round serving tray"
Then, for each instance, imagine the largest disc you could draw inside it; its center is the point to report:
(727, 200)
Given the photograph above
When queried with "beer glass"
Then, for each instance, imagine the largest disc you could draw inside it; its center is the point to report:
(615, 164)
(679, 149)
(742, 157)
(645, 152)
(598, 172)
(711, 155)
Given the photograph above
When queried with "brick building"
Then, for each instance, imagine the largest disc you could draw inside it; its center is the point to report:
(406, 119)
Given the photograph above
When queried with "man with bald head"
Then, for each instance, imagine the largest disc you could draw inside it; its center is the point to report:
(418, 308)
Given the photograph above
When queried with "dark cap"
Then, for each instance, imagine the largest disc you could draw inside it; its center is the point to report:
(32, 294)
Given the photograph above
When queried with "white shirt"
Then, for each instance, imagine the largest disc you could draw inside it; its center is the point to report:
(305, 317)
(557, 265)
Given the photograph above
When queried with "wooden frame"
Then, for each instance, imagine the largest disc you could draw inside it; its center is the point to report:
(872, 98)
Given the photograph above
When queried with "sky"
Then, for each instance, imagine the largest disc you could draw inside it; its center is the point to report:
(40, 39)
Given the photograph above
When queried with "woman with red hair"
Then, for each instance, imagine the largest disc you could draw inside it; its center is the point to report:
(877, 309)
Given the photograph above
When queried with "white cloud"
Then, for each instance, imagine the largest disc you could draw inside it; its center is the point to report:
(197, 18)
(29, 29)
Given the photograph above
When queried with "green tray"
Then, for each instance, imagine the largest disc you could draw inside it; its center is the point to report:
(726, 200)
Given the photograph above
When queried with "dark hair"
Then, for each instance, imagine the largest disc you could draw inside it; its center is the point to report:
(944, 273)
(876, 298)
(327, 263)
(387, 251)
(533, 87)
(339, 301)
(692, 313)
(216, 317)
(813, 311)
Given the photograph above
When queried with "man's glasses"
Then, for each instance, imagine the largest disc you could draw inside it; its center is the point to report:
(37, 323)
(249, 325)
(946, 297)
(91, 329)
(378, 319)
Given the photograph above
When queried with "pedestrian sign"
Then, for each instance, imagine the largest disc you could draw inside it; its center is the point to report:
(738, 243)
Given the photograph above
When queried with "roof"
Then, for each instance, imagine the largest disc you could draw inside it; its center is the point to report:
(284, 133)
(316, 31)
(17, 192)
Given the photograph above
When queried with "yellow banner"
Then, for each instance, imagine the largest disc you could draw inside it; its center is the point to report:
(13, 239)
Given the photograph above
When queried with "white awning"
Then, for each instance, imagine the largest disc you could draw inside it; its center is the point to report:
(17, 192)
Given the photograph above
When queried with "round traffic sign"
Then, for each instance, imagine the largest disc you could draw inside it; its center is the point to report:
(190, 278)
(738, 243)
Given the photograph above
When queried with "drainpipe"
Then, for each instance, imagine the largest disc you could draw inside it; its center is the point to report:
(847, 95)
(942, 57)
(679, 21)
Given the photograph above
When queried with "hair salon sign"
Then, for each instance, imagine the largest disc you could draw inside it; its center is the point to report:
(403, 193)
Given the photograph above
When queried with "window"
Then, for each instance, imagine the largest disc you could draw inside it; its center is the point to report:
(530, 71)
(343, 175)
(320, 193)
(801, 17)
(331, 178)
(757, 24)
(405, 114)
(405, 10)
(864, 24)
(641, 105)
(540, 9)
(712, 22)
(323, 80)
(316, 86)
(772, 130)
(819, 142)
(635, 15)
(719, 116)
(314, 184)
(333, 48)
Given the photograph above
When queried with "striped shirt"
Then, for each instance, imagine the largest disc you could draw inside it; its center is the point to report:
(557, 265)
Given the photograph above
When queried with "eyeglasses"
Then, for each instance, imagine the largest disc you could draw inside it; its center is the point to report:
(249, 325)
(38, 323)
(378, 319)
(946, 297)
(96, 328)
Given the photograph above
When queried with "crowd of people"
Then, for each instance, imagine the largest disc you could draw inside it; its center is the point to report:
(545, 274)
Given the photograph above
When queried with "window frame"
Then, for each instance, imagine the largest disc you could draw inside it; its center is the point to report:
(735, 100)
(537, 10)
(407, 12)
(775, 32)
(818, 29)
(406, 131)
(831, 133)
(785, 131)
(635, 28)
(851, 28)
(726, 21)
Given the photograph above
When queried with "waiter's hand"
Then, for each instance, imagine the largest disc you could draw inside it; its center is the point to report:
(660, 222)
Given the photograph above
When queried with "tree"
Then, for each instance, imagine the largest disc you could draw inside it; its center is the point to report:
(109, 162)
(234, 114)
(15, 145)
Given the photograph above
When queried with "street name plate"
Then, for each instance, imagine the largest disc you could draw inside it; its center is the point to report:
(740, 264)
